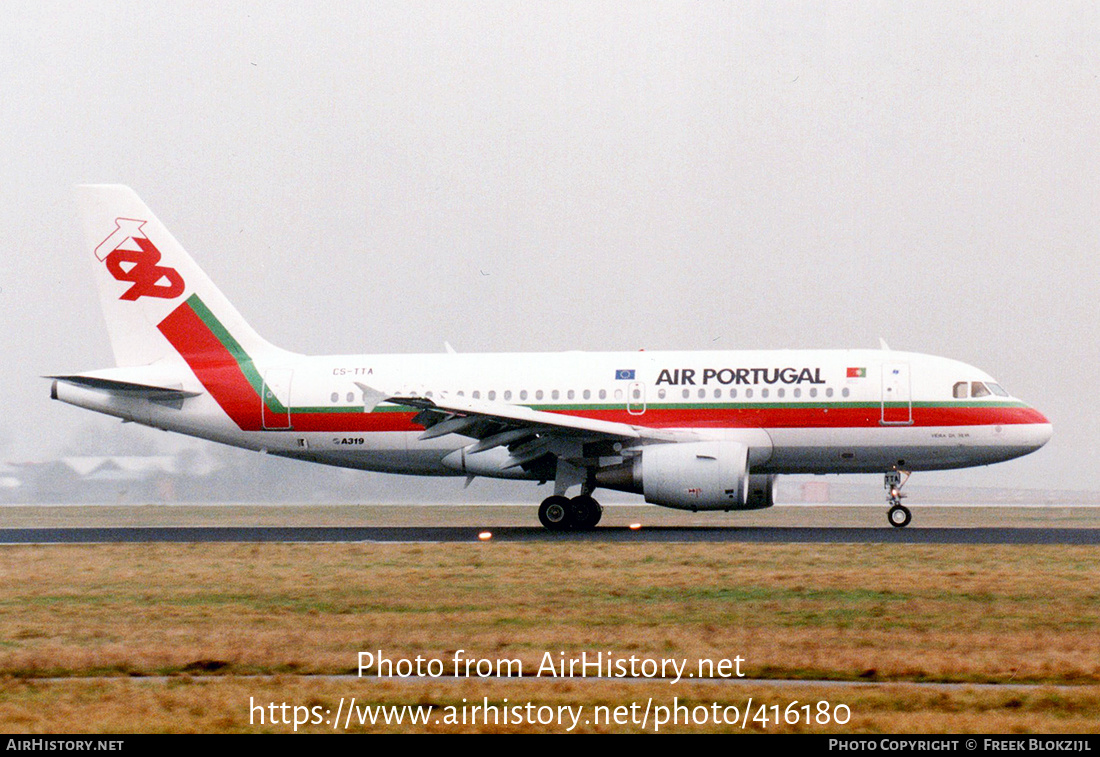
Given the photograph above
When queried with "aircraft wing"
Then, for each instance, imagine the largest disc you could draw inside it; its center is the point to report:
(461, 413)
(528, 434)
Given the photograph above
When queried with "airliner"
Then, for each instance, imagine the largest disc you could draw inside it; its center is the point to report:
(688, 430)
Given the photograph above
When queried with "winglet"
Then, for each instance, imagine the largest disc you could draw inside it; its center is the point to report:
(371, 397)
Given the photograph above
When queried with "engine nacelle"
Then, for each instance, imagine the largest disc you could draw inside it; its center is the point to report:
(762, 488)
(695, 475)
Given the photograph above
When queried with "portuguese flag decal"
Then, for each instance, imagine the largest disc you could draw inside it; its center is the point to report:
(857, 373)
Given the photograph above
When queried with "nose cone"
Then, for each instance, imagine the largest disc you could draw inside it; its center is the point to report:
(1039, 430)
(1042, 434)
(1039, 417)
(1027, 431)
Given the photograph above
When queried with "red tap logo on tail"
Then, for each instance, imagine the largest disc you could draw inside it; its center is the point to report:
(130, 256)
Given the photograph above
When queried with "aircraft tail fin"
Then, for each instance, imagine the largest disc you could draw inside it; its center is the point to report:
(157, 302)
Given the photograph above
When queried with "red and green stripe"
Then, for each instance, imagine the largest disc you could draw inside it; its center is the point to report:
(231, 377)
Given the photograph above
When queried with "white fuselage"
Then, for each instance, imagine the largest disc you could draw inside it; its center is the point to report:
(798, 411)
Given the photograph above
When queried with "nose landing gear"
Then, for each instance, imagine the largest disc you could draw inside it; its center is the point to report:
(898, 515)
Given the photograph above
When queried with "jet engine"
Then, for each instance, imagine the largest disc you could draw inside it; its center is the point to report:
(761, 491)
(686, 476)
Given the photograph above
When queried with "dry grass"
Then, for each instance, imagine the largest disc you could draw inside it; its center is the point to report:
(222, 704)
(845, 612)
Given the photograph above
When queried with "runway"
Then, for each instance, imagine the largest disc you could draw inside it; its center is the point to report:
(619, 535)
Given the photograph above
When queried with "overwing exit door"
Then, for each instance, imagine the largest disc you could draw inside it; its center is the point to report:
(635, 398)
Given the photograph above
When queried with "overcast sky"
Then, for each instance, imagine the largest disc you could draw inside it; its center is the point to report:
(381, 177)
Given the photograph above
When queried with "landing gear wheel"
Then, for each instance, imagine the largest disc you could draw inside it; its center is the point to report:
(556, 513)
(585, 512)
(899, 516)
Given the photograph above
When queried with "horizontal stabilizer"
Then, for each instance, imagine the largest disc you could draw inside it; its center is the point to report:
(114, 386)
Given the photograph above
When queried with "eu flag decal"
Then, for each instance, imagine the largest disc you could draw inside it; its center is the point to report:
(624, 375)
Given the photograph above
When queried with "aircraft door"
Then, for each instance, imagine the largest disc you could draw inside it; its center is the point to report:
(635, 398)
(897, 402)
(276, 415)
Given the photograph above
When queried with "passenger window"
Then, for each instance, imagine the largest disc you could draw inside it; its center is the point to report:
(764, 392)
(748, 394)
(733, 393)
(335, 397)
(492, 394)
(797, 393)
(829, 392)
(476, 394)
(351, 396)
(570, 394)
(538, 394)
(813, 391)
(603, 394)
(845, 392)
(587, 394)
(702, 394)
(960, 390)
(717, 394)
(977, 389)
(507, 394)
(523, 394)
(554, 394)
(687, 393)
(781, 392)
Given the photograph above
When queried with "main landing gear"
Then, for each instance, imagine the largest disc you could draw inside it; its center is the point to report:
(898, 515)
(580, 513)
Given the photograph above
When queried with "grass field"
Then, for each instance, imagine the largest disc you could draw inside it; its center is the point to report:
(83, 627)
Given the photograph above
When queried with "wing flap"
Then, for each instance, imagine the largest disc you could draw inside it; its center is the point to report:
(508, 437)
(457, 424)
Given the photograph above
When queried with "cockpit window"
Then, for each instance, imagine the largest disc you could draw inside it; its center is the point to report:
(977, 389)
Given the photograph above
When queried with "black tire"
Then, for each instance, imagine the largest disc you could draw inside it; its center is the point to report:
(556, 513)
(899, 516)
(599, 514)
(586, 512)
